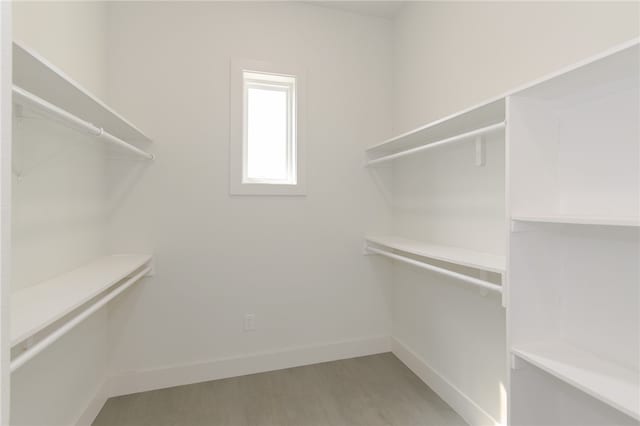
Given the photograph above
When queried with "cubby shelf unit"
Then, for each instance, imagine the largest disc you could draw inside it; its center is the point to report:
(36, 308)
(575, 147)
(608, 382)
(40, 85)
(574, 306)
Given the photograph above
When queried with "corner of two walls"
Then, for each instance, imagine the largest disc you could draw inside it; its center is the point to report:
(294, 262)
(449, 56)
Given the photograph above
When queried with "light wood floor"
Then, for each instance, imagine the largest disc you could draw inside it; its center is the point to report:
(367, 391)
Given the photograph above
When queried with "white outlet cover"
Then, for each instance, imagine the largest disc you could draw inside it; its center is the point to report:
(249, 322)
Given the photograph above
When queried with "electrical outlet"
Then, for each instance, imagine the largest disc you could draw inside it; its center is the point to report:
(249, 322)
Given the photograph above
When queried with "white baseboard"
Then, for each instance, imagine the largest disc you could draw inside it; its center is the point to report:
(89, 414)
(140, 381)
(468, 409)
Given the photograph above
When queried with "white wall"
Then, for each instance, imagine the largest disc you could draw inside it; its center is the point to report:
(449, 56)
(71, 34)
(295, 262)
(452, 55)
(59, 210)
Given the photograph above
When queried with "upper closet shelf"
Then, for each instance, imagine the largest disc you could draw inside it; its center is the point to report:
(38, 83)
(37, 307)
(490, 116)
(463, 126)
(581, 220)
(610, 383)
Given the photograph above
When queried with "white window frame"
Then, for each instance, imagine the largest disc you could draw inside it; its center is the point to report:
(240, 184)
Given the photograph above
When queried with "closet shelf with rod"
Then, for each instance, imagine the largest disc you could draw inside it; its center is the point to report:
(41, 85)
(473, 124)
(394, 247)
(46, 311)
(22, 97)
(457, 138)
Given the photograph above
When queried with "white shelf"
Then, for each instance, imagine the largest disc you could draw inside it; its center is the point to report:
(456, 255)
(581, 220)
(608, 382)
(36, 307)
(35, 74)
(484, 115)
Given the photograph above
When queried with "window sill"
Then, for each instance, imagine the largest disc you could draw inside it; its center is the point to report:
(267, 189)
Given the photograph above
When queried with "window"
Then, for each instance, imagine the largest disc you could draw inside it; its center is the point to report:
(265, 130)
(269, 129)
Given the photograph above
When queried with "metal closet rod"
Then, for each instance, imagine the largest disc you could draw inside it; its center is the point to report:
(34, 350)
(460, 137)
(29, 98)
(475, 281)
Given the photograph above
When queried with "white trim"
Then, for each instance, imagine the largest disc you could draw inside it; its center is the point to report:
(95, 404)
(461, 403)
(145, 380)
(237, 186)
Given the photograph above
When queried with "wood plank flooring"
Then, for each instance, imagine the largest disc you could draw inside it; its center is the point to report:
(366, 391)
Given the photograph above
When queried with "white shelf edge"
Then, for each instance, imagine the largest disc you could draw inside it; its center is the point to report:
(581, 220)
(463, 257)
(38, 298)
(435, 123)
(139, 135)
(586, 372)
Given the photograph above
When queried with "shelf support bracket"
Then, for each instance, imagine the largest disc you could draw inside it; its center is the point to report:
(481, 151)
(366, 251)
(505, 288)
(517, 363)
(19, 111)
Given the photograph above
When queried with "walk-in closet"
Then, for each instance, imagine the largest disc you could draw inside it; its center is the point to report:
(310, 213)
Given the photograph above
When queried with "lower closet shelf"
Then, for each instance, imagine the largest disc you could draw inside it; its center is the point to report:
(606, 381)
(456, 255)
(39, 306)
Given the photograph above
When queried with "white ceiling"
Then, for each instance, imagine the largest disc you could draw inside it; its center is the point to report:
(382, 9)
